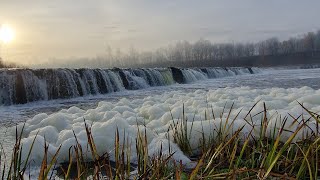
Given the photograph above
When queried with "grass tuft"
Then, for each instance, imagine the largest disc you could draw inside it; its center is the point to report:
(224, 153)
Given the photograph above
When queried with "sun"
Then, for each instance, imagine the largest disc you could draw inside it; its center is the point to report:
(6, 33)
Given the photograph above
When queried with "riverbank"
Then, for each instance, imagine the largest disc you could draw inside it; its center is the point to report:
(190, 128)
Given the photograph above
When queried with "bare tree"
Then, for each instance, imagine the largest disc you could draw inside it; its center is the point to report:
(317, 41)
(272, 46)
(249, 50)
(1, 63)
(203, 51)
(309, 42)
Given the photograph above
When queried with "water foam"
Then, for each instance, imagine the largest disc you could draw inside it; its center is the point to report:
(155, 114)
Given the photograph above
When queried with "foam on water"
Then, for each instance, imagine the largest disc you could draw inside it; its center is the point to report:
(155, 114)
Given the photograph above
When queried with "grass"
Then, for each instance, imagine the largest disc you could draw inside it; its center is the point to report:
(221, 155)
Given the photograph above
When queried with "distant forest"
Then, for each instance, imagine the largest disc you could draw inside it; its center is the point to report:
(302, 49)
(7, 65)
(205, 53)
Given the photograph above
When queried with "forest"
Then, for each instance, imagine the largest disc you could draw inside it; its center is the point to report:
(303, 49)
(7, 65)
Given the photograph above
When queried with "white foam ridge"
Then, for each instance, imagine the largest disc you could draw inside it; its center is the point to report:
(153, 115)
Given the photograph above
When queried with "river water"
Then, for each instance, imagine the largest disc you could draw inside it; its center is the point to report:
(268, 78)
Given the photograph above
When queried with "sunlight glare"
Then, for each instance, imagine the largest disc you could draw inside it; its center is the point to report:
(6, 33)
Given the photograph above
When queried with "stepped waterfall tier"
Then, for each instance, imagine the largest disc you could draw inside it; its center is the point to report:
(19, 86)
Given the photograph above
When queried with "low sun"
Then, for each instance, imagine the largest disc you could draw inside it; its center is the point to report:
(6, 33)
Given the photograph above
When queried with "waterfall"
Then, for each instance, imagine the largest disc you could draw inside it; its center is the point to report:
(135, 82)
(7, 87)
(167, 76)
(221, 72)
(159, 79)
(35, 88)
(192, 75)
(115, 80)
(19, 86)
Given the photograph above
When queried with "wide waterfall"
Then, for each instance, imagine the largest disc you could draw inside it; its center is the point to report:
(19, 86)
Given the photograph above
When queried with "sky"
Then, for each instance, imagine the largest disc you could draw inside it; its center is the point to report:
(66, 29)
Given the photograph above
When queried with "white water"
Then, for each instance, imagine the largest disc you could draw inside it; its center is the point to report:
(152, 105)
(19, 86)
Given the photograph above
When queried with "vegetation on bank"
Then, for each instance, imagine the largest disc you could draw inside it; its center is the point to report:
(218, 156)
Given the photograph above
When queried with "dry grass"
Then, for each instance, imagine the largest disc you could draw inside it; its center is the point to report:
(222, 156)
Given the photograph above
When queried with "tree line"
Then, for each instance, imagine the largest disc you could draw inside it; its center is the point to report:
(7, 65)
(203, 50)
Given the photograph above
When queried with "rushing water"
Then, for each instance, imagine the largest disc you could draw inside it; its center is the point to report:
(196, 79)
(48, 90)
(267, 78)
(20, 86)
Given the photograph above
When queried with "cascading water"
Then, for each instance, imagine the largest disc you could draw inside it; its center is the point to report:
(115, 80)
(8, 83)
(18, 86)
(192, 75)
(167, 76)
(35, 89)
(157, 76)
(135, 82)
(221, 72)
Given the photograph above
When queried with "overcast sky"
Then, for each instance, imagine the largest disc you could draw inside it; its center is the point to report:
(84, 28)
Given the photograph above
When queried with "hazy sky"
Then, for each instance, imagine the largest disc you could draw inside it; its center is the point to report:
(84, 28)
